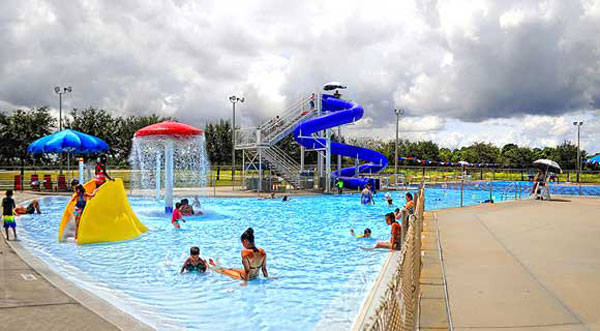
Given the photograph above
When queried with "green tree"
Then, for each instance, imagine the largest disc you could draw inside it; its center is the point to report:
(117, 131)
(20, 129)
(218, 143)
(446, 154)
(125, 128)
(566, 155)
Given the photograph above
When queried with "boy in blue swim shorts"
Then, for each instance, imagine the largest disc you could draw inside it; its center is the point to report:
(8, 217)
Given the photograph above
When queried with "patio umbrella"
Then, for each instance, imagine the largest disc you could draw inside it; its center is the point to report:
(547, 164)
(463, 163)
(593, 160)
(68, 141)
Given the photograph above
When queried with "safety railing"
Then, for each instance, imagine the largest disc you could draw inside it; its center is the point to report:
(398, 308)
(283, 164)
(276, 128)
(273, 130)
(245, 138)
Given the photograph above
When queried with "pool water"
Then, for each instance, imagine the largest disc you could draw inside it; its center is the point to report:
(323, 276)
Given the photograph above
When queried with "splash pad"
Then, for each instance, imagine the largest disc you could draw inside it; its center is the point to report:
(174, 149)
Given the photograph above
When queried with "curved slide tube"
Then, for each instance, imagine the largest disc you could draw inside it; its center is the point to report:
(340, 112)
(107, 217)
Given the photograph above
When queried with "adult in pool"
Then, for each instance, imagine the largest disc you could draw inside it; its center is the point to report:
(366, 196)
(254, 260)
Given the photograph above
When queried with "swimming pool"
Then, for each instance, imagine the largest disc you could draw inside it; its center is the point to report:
(323, 277)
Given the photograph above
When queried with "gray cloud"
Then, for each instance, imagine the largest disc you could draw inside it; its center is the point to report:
(184, 58)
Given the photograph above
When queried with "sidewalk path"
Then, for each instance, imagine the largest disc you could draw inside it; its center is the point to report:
(523, 265)
(29, 302)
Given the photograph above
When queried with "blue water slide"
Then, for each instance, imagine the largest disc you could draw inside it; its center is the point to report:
(339, 112)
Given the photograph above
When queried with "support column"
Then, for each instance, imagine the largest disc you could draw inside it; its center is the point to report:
(157, 175)
(328, 161)
(339, 157)
(244, 169)
(260, 171)
(169, 177)
(301, 158)
(81, 171)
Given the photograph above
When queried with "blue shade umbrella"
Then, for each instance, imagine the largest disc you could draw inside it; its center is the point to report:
(593, 160)
(68, 141)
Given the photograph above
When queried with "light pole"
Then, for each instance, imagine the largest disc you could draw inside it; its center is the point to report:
(60, 92)
(578, 165)
(233, 100)
(398, 113)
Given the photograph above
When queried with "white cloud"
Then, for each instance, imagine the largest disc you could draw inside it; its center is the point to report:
(450, 63)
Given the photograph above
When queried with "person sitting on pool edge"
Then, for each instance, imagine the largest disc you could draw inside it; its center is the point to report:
(366, 234)
(194, 262)
(396, 239)
(32, 207)
(253, 259)
(410, 203)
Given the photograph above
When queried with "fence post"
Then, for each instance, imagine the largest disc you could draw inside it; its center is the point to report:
(461, 191)
(491, 191)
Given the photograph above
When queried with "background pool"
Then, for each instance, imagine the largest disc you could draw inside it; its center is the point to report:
(323, 277)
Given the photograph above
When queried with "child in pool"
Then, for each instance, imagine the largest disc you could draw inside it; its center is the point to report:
(388, 199)
(194, 262)
(177, 216)
(366, 234)
(82, 198)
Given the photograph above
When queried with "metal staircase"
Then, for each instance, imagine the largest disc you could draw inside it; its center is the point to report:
(283, 164)
(260, 141)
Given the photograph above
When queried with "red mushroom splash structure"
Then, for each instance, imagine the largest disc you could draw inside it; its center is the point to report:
(179, 149)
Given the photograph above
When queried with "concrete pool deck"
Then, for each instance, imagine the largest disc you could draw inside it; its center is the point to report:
(32, 297)
(523, 265)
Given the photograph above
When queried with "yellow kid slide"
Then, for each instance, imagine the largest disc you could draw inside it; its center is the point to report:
(107, 217)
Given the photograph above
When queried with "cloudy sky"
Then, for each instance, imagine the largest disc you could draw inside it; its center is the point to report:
(496, 71)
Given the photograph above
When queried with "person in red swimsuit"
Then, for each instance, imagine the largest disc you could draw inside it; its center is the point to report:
(396, 240)
(101, 173)
(177, 216)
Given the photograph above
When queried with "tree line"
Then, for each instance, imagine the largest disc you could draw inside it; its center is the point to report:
(219, 144)
(21, 127)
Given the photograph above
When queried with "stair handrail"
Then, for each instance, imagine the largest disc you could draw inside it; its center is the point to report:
(284, 160)
(286, 169)
(299, 111)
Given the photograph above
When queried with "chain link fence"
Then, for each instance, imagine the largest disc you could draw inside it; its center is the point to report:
(398, 307)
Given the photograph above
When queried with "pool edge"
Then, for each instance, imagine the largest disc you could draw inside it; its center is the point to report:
(377, 290)
(104, 309)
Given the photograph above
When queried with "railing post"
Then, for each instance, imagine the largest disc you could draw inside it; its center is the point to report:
(462, 181)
